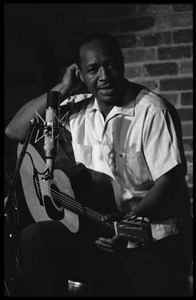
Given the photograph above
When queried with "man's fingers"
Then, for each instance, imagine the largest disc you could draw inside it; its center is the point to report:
(113, 217)
(105, 244)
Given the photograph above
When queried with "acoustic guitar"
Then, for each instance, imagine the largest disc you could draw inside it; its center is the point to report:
(55, 199)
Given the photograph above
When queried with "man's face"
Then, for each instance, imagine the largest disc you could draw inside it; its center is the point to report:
(102, 71)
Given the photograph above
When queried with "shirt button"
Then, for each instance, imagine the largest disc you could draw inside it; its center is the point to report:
(123, 155)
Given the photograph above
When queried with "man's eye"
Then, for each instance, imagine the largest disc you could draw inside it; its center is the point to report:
(92, 71)
(111, 65)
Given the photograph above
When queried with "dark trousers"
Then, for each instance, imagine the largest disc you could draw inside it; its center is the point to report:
(51, 254)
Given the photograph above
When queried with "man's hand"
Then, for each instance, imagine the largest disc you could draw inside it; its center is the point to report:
(71, 80)
(114, 244)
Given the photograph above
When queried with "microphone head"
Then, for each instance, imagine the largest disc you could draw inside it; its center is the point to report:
(53, 99)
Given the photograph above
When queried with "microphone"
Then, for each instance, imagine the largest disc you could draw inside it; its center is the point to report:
(51, 131)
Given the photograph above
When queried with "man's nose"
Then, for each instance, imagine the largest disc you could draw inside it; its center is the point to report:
(103, 73)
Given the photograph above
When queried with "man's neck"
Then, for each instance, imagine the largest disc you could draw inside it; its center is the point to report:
(105, 109)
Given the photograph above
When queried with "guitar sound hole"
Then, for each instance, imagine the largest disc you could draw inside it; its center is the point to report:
(55, 195)
(53, 205)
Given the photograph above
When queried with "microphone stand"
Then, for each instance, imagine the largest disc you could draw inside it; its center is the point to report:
(18, 164)
(10, 204)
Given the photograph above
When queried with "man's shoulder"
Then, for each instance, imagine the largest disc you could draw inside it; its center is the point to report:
(152, 101)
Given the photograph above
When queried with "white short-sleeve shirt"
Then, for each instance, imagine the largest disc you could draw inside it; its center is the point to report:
(134, 145)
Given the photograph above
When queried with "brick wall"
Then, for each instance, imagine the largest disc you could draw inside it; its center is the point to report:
(156, 41)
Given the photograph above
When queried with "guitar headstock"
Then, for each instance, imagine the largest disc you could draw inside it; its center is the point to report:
(137, 230)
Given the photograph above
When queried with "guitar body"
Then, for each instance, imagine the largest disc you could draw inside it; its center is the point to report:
(74, 196)
(39, 194)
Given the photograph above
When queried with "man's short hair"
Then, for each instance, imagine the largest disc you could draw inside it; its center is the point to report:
(106, 38)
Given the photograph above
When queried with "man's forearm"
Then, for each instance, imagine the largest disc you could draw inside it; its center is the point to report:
(18, 127)
(161, 196)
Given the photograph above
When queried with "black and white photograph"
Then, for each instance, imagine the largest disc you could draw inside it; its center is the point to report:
(98, 149)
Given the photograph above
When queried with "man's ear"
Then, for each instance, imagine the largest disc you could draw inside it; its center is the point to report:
(80, 75)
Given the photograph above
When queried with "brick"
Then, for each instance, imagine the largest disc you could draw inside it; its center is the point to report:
(139, 55)
(154, 9)
(176, 84)
(187, 129)
(188, 144)
(166, 22)
(159, 69)
(189, 175)
(134, 71)
(126, 41)
(174, 52)
(186, 67)
(163, 22)
(182, 7)
(183, 36)
(189, 179)
(186, 114)
(154, 39)
(187, 98)
(171, 97)
(151, 84)
(189, 158)
(182, 19)
(136, 24)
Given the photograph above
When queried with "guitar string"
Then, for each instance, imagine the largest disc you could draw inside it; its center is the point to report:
(94, 214)
(77, 205)
(60, 198)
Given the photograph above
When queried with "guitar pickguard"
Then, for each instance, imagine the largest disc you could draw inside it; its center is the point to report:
(41, 195)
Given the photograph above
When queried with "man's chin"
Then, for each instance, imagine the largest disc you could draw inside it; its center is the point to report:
(107, 95)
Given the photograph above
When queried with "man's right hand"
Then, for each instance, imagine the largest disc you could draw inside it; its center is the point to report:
(72, 81)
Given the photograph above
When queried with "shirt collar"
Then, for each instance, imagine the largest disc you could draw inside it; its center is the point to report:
(75, 99)
(128, 109)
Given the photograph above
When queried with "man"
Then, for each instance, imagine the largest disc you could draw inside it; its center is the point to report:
(130, 139)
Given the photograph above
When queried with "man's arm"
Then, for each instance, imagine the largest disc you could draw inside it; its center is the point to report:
(166, 196)
(169, 195)
(18, 127)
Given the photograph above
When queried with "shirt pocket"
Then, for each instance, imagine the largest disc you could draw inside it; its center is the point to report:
(83, 154)
(132, 169)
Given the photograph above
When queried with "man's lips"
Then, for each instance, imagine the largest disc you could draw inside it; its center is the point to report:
(105, 87)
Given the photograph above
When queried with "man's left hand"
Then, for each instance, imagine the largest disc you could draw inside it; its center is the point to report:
(111, 244)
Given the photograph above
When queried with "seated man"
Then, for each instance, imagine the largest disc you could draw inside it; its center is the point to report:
(129, 139)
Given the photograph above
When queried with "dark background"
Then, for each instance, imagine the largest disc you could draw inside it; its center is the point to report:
(156, 40)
